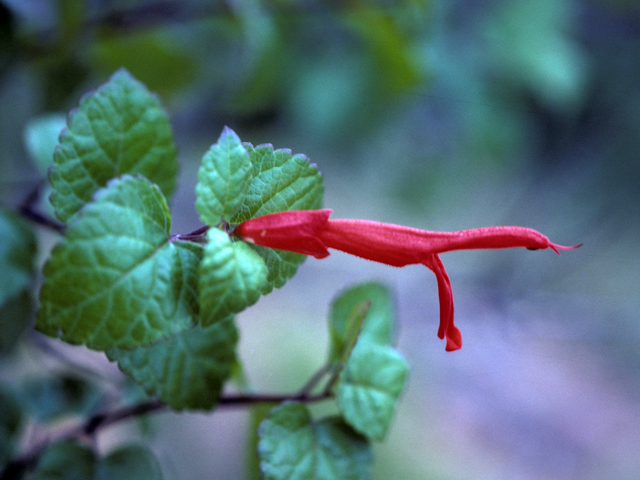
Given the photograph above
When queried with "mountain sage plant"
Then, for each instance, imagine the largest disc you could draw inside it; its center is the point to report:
(162, 305)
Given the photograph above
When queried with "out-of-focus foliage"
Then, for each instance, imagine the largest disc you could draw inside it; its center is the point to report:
(49, 398)
(17, 258)
(107, 267)
(200, 358)
(11, 420)
(531, 48)
(251, 59)
(453, 113)
(120, 128)
(74, 461)
(293, 444)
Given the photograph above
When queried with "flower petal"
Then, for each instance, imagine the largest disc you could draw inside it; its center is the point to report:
(445, 294)
(293, 231)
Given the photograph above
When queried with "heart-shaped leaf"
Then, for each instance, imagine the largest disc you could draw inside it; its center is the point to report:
(281, 181)
(293, 445)
(223, 179)
(378, 323)
(368, 388)
(232, 275)
(187, 370)
(120, 128)
(117, 279)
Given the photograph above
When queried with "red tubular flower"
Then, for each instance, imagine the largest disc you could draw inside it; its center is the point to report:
(310, 232)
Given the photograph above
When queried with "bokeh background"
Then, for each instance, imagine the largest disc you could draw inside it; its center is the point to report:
(443, 115)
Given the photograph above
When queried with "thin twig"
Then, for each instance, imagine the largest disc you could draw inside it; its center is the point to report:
(198, 236)
(40, 219)
(28, 210)
(248, 399)
(99, 421)
(102, 420)
(314, 380)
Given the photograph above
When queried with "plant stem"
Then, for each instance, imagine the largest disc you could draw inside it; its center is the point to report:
(198, 236)
(89, 427)
(27, 210)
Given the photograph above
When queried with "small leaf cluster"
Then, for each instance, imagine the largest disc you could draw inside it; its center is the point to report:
(73, 460)
(367, 376)
(159, 304)
(163, 305)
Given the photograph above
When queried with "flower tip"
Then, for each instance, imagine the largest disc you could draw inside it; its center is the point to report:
(454, 339)
(452, 347)
(555, 247)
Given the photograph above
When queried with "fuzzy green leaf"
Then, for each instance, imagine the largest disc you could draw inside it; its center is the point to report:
(17, 254)
(186, 371)
(117, 279)
(294, 446)
(232, 276)
(132, 462)
(120, 128)
(368, 388)
(223, 179)
(377, 326)
(281, 181)
(281, 266)
(66, 460)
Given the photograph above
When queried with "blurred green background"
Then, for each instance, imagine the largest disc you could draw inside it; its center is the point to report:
(442, 115)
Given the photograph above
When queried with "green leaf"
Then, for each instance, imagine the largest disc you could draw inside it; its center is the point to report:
(16, 315)
(164, 59)
(257, 414)
(7, 447)
(41, 137)
(232, 276)
(374, 374)
(377, 326)
(368, 388)
(120, 128)
(281, 181)
(262, 88)
(65, 460)
(10, 412)
(132, 462)
(52, 396)
(71, 14)
(117, 279)
(294, 446)
(17, 254)
(69, 460)
(383, 37)
(186, 371)
(281, 266)
(223, 179)
(354, 327)
(10, 423)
